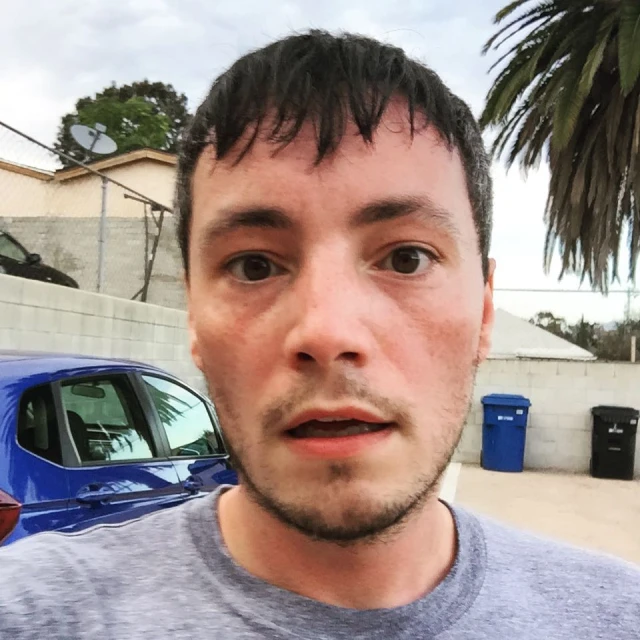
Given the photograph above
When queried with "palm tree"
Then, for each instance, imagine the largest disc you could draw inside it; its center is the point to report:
(568, 92)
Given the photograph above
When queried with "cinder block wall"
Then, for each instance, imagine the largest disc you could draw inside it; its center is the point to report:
(71, 245)
(561, 394)
(38, 316)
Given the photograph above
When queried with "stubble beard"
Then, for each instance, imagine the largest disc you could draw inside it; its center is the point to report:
(361, 523)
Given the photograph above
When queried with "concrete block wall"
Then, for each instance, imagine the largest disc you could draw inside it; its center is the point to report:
(562, 394)
(70, 244)
(38, 316)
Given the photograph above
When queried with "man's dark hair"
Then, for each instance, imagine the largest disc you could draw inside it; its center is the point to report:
(329, 80)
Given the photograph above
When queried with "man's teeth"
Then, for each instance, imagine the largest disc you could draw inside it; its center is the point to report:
(333, 419)
(316, 428)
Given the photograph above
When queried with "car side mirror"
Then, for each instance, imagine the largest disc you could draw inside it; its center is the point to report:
(34, 258)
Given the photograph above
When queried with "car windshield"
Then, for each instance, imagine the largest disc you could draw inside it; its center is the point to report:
(9, 248)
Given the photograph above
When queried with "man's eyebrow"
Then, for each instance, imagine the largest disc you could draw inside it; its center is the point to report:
(245, 218)
(401, 206)
(378, 211)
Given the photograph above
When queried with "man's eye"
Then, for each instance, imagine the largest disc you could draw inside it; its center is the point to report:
(252, 267)
(407, 260)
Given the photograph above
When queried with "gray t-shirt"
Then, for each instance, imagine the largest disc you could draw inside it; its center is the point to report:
(169, 575)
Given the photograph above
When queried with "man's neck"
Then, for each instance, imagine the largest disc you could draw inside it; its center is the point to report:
(385, 574)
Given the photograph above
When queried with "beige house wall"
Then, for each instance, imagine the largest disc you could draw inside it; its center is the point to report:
(22, 194)
(82, 196)
(30, 193)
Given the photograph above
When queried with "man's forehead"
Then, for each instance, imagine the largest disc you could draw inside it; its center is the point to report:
(394, 167)
(258, 147)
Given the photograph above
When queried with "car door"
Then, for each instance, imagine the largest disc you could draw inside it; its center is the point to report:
(121, 469)
(32, 462)
(195, 444)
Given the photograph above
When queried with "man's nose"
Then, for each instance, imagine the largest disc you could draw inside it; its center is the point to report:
(330, 309)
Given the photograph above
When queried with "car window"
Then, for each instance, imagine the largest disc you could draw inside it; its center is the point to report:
(106, 421)
(37, 424)
(9, 249)
(185, 418)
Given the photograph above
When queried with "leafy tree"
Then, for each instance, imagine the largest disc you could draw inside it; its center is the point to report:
(606, 343)
(569, 92)
(615, 344)
(138, 115)
(584, 335)
(547, 321)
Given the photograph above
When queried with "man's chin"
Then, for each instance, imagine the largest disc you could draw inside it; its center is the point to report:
(344, 515)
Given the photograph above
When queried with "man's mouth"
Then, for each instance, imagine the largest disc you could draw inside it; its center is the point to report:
(335, 428)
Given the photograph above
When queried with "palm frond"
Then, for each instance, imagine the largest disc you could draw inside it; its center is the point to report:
(509, 9)
(594, 59)
(538, 38)
(541, 54)
(570, 92)
(523, 21)
(577, 75)
(629, 44)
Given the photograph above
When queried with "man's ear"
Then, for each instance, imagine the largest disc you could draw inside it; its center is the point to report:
(194, 346)
(488, 315)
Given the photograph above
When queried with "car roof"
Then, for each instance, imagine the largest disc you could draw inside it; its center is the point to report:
(16, 364)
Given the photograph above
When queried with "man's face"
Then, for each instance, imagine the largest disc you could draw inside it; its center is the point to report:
(351, 291)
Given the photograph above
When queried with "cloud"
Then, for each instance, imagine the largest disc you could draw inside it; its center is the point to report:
(60, 51)
(63, 50)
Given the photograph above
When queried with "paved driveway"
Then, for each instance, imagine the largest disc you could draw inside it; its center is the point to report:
(599, 514)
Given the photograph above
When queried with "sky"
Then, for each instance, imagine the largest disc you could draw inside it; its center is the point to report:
(54, 52)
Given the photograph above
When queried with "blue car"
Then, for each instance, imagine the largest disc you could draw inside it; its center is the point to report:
(87, 441)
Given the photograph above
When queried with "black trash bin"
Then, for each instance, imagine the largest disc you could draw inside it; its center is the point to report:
(613, 442)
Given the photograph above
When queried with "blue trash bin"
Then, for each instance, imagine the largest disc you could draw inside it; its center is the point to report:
(504, 431)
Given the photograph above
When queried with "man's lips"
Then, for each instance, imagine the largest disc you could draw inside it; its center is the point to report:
(340, 422)
(337, 429)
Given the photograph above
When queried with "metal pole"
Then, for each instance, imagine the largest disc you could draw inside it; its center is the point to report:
(102, 238)
(154, 251)
(633, 348)
(145, 285)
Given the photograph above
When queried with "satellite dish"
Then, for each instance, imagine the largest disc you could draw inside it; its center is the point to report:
(94, 140)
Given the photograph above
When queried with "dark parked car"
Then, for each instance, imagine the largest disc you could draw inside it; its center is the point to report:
(15, 260)
(86, 441)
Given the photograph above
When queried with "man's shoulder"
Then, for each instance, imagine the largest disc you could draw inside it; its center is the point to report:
(532, 585)
(39, 577)
(557, 570)
(506, 540)
(64, 580)
(72, 584)
(54, 563)
(44, 552)
(52, 560)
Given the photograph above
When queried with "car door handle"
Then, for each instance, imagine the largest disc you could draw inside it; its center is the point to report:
(193, 484)
(95, 495)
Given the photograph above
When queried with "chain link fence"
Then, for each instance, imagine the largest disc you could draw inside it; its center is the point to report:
(107, 227)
